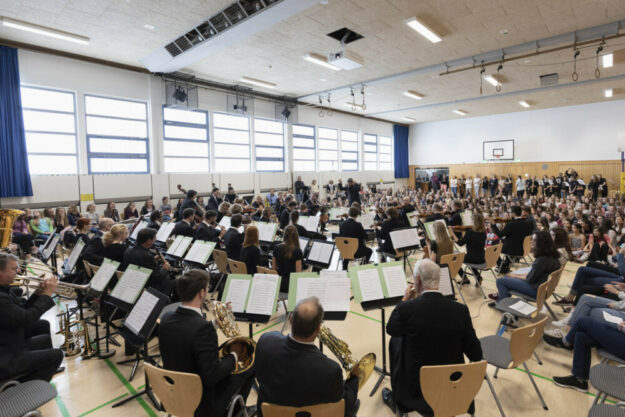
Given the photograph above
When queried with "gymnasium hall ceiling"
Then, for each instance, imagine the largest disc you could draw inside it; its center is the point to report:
(126, 31)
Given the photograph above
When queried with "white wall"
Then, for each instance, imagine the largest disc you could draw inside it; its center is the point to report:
(583, 132)
(82, 78)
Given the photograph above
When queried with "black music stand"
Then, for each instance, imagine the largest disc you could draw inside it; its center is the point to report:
(320, 264)
(101, 296)
(406, 248)
(47, 252)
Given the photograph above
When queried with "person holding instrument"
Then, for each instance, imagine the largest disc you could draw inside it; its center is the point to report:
(208, 230)
(188, 343)
(185, 226)
(320, 379)
(287, 257)
(156, 220)
(475, 240)
(233, 239)
(114, 243)
(353, 228)
(26, 351)
(393, 222)
(441, 245)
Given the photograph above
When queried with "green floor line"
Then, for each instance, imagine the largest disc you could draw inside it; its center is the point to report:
(267, 328)
(365, 316)
(61, 404)
(103, 405)
(130, 388)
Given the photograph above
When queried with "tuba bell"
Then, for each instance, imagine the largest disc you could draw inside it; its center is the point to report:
(229, 327)
(7, 219)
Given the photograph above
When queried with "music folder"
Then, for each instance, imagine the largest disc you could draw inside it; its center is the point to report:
(101, 279)
(130, 285)
(320, 253)
(50, 246)
(367, 220)
(266, 231)
(429, 228)
(144, 314)
(445, 285)
(376, 286)
(413, 219)
(467, 218)
(140, 226)
(200, 252)
(405, 239)
(310, 223)
(303, 245)
(225, 222)
(164, 231)
(179, 247)
(73, 257)
(253, 298)
(333, 292)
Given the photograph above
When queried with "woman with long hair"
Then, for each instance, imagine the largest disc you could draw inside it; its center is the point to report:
(61, 222)
(475, 240)
(288, 256)
(250, 252)
(563, 244)
(442, 244)
(114, 242)
(130, 212)
(111, 212)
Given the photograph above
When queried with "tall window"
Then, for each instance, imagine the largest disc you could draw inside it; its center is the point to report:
(185, 140)
(117, 135)
(50, 124)
(303, 148)
(328, 144)
(232, 143)
(269, 145)
(349, 150)
(371, 152)
(386, 156)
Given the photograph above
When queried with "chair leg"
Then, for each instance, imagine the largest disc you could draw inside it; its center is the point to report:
(460, 292)
(529, 374)
(537, 358)
(550, 311)
(493, 272)
(597, 397)
(490, 384)
(479, 286)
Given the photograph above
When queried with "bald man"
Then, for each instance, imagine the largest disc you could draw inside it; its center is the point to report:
(292, 371)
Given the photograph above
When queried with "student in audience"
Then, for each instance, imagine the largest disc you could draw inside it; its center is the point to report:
(287, 256)
(563, 245)
(233, 239)
(22, 237)
(73, 214)
(475, 240)
(130, 212)
(188, 202)
(114, 243)
(353, 228)
(111, 212)
(314, 188)
(61, 222)
(454, 186)
(92, 215)
(185, 226)
(41, 226)
(208, 230)
(165, 207)
(477, 184)
(250, 253)
(520, 187)
(155, 220)
(485, 184)
(441, 245)
(578, 241)
(148, 207)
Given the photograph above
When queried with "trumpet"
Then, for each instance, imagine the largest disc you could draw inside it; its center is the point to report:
(63, 289)
(72, 338)
(229, 327)
(361, 369)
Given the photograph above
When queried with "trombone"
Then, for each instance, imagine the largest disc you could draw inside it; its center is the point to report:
(63, 289)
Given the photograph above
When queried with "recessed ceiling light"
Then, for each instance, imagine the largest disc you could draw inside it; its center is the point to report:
(320, 60)
(607, 93)
(423, 30)
(524, 104)
(323, 80)
(410, 119)
(259, 83)
(607, 60)
(491, 80)
(42, 30)
(413, 94)
(460, 112)
(148, 27)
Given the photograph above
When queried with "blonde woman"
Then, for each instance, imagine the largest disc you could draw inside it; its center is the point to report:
(442, 244)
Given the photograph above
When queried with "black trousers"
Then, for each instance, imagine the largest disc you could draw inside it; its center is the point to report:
(599, 253)
(24, 241)
(365, 252)
(227, 389)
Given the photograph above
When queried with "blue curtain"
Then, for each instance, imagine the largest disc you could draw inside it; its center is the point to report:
(401, 151)
(14, 172)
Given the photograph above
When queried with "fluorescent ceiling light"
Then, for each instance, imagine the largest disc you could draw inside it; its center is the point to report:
(524, 104)
(320, 60)
(491, 80)
(259, 83)
(352, 105)
(423, 30)
(413, 94)
(607, 93)
(42, 30)
(410, 119)
(607, 60)
(460, 112)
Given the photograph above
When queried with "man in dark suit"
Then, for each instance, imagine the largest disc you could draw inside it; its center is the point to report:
(353, 228)
(208, 229)
(184, 227)
(92, 253)
(319, 379)
(353, 192)
(428, 330)
(188, 343)
(214, 200)
(25, 343)
(455, 219)
(285, 216)
(140, 255)
(513, 235)
(233, 239)
(188, 202)
(156, 220)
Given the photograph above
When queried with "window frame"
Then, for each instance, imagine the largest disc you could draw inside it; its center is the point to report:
(215, 142)
(365, 152)
(76, 155)
(268, 158)
(101, 155)
(357, 150)
(390, 154)
(193, 125)
(314, 147)
(319, 149)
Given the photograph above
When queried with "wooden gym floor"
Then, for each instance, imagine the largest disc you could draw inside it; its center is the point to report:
(90, 387)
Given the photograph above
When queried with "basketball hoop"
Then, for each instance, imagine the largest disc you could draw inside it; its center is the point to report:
(497, 157)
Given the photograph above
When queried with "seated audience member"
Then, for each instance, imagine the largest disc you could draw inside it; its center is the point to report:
(92, 215)
(578, 241)
(22, 237)
(513, 234)
(185, 226)
(393, 222)
(298, 355)
(41, 226)
(155, 220)
(188, 343)
(208, 230)
(287, 257)
(250, 253)
(223, 211)
(140, 255)
(475, 241)
(26, 351)
(111, 212)
(148, 207)
(233, 239)
(441, 245)
(546, 261)
(61, 221)
(165, 207)
(73, 215)
(130, 212)
(114, 243)
(563, 245)
(598, 246)
(353, 228)
(272, 198)
(428, 330)
(285, 216)
(92, 253)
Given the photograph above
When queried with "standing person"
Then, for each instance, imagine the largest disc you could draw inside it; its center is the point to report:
(507, 187)
(300, 188)
(454, 186)
(492, 185)
(485, 184)
(353, 192)
(520, 187)
(435, 182)
(214, 200)
(444, 183)
(603, 186)
(477, 183)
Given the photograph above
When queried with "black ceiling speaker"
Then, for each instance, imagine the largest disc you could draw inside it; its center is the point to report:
(286, 112)
(180, 94)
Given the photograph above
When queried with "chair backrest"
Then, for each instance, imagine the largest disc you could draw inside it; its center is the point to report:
(555, 280)
(265, 270)
(221, 260)
(94, 269)
(347, 247)
(491, 255)
(542, 294)
(179, 392)
(426, 253)
(88, 269)
(454, 261)
(527, 246)
(318, 410)
(237, 267)
(119, 274)
(524, 340)
(449, 389)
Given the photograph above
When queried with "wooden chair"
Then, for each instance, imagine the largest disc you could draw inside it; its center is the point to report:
(510, 353)
(94, 268)
(454, 261)
(221, 260)
(180, 393)
(318, 410)
(237, 267)
(347, 246)
(551, 284)
(527, 252)
(447, 396)
(504, 305)
(265, 270)
(491, 256)
(88, 269)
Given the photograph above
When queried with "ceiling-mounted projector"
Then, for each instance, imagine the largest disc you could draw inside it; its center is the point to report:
(346, 60)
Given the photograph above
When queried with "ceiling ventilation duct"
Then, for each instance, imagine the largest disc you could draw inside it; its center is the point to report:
(548, 80)
(234, 23)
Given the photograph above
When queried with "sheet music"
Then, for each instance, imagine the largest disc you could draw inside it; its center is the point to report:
(320, 252)
(395, 279)
(310, 223)
(142, 225)
(130, 284)
(467, 218)
(370, 286)
(180, 245)
(523, 307)
(612, 319)
(102, 278)
(311, 287)
(413, 218)
(404, 238)
(164, 231)
(75, 254)
(337, 294)
(445, 285)
(262, 297)
(303, 242)
(237, 294)
(200, 252)
(367, 220)
(326, 273)
(266, 231)
(141, 312)
(336, 212)
(225, 222)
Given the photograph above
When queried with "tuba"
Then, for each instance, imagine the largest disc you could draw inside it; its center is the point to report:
(7, 219)
(229, 327)
(362, 369)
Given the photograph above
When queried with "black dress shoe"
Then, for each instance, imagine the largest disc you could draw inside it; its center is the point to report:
(59, 370)
(387, 397)
(556, 342)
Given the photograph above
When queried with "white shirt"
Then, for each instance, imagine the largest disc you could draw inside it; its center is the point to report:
(520, 185)
(469, 182)
(299, 341)
(454, 182)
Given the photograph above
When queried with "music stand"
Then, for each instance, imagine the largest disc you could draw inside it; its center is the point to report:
(320, 254)
(266, 232)
(136, 227)
(178, 248)
(199, 254)
(304, 243)
(49, 249)
(99, 282)
(163, 233)
(404, 240)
